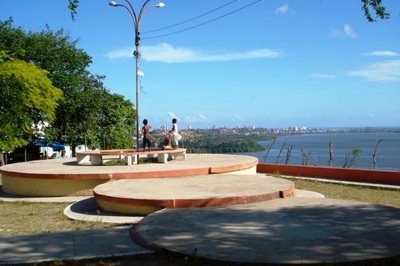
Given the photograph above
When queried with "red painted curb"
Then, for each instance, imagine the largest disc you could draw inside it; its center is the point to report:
(334, 173)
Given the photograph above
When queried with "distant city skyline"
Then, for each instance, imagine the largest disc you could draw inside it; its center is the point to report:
(240, 63)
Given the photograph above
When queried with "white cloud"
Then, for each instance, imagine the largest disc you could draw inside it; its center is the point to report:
(121, 53)
(322, 76)
(172, 115)
(237, 118)
(346, 31)
(196, 118)
(166, 53)
(349, 32)
(381, 71)
(202, 117)
(382, 53)
(282, 9)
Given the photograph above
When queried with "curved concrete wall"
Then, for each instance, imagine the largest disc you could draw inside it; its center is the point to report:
(343, 174)
(118, 207)
(45, 187)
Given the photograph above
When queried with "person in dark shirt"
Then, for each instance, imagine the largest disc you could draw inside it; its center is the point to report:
(146, 135)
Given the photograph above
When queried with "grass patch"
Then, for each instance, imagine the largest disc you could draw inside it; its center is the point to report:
(389, 197)
(27, 217)
(148, 160)
(115, 162)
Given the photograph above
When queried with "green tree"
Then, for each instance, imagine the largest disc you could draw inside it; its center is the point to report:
(349, 161)
(96, 118)
(65, 64)
(116, 119)
(28, 96)
(81, 114)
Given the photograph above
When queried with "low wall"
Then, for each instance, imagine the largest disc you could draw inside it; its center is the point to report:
(333, 173)
(45, 187)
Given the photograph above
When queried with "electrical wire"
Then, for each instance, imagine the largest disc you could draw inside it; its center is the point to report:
(191, 19)
(203, 23)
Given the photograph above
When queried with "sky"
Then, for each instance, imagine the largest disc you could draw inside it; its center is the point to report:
(243, 63)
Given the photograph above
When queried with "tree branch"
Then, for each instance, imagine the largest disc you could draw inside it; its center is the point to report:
(73, 6)
(376, 5)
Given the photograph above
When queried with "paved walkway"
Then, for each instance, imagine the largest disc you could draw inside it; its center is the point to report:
(74, 245)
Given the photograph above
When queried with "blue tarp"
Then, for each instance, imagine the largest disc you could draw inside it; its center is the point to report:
(54, 144)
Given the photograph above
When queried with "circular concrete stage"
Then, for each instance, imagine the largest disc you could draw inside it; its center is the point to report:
(63, 177)
(282, 231)
(144, 196)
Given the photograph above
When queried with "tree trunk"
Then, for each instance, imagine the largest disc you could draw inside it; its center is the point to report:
(279, 155)
(268, 150)
(374, 154)
(2, 161)
(330, 147)
(288, 154)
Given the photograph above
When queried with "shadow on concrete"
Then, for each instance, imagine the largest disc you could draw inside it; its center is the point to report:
(96, 243)
(281, 231)
(87, 210)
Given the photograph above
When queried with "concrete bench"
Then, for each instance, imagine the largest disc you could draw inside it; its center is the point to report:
(130, 156)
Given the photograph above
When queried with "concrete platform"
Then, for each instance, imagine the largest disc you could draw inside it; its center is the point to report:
(86, 209)
(64, 177)
(144, 196)
(282, 231)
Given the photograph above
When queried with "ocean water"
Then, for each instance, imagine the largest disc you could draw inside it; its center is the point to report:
(315, 146)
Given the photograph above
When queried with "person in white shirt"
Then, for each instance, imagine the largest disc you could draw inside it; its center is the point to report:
(175, 134)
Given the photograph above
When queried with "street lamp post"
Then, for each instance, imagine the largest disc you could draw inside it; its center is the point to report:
(136, 24)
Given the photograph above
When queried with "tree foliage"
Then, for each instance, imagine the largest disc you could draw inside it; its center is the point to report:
(73, 6)
(221, 141)
(116, 117)
(28, 96)
(96, 118)
(377, 7)
(88, 113)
